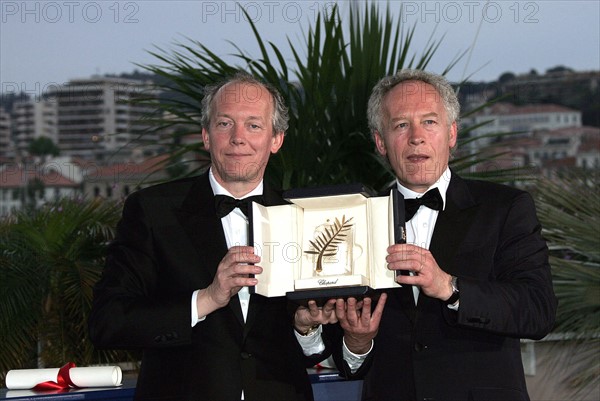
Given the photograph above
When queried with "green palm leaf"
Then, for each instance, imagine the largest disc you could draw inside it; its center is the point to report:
(327, 85)
(569, 209)
(49, 261)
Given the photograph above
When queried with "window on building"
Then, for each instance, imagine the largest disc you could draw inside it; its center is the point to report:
(109, 192)
(96, 192)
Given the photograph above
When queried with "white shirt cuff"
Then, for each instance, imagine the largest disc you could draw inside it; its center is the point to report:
(353, 360)
(454, 306)
(195, 318)
(312, 343)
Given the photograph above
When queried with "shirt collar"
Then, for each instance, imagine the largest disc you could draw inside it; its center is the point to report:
(441, 184)
(218, 189)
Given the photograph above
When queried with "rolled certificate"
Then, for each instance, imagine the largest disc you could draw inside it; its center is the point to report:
(97, 376)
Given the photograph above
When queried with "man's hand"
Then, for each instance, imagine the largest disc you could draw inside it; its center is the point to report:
(232, 274)
(431, 279)
(307, 317)
(359, 323)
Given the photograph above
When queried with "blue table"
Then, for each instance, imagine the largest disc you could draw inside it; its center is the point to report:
(122, 393)
(327, 386)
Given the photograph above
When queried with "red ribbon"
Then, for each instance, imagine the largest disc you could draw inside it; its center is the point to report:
(63, 380)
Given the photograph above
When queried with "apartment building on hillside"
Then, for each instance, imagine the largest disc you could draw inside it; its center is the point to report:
(32, 120)
(6, 145)
(506, 117)
(93, 119)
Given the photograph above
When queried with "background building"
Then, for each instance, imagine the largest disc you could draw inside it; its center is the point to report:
(96, 118)
(506, 117)
(93, 119)
(6, 144)
(32, 186)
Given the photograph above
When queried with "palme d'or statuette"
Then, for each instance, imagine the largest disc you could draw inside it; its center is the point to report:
(327, 243)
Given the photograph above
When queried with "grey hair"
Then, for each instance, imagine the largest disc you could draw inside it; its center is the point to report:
(386, 84)
(280, 116)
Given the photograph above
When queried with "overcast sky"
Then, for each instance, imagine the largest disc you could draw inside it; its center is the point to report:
(45, 43)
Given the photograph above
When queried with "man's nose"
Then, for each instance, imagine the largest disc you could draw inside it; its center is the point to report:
(238, 135)
(416, 134)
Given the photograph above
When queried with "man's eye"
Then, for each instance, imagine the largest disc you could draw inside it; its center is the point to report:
(430, 122)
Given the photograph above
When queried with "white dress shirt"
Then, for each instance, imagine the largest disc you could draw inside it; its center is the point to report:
(419, 229)
(235, 227)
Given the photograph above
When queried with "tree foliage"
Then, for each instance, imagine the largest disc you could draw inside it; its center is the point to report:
(43, 146)
(569, 210)
(50, 258)
(326, 86)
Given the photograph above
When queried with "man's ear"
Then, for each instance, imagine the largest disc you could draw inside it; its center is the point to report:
(379, 143)
(205, 139)
(453, 135)
(277, 141)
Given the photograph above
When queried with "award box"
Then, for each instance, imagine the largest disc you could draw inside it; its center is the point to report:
(328, 242)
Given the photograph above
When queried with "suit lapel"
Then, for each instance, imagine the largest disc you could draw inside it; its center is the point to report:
(451, 227)
(254, 307)
(405, 297)
(452, 223)
(198, 218)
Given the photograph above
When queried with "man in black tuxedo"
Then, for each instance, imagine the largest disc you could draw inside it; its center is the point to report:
(177, 274)
(474, 273)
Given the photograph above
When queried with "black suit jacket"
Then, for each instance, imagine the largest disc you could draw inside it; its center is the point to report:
(488, 236)
(169, 243)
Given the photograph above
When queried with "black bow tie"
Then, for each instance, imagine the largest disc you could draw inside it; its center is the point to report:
(432, 199)
(225, 204)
